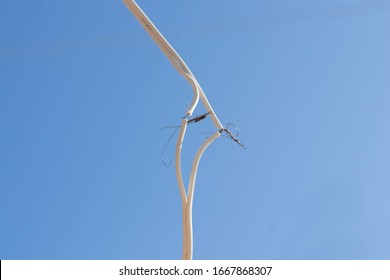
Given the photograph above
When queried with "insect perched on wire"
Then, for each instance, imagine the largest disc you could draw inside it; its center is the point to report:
(229, 134)
(193, 120)
(198, 118)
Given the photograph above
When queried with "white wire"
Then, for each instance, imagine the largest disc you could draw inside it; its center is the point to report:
(181, 67)
(179, 175)
(175, 59)
(187, 250)
(167, 49)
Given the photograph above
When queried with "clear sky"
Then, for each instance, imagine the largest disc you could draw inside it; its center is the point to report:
(84, 93)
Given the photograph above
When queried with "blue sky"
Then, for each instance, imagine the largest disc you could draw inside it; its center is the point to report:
(84, 93)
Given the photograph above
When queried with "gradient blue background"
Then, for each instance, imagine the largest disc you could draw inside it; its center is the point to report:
(84, 93)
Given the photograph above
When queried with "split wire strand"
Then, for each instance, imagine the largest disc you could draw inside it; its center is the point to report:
(187, 251)
(179, 175)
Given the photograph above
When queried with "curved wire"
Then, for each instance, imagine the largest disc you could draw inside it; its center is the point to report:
(187, 250)
(179, 176)
(174, 58)
(167, 49)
